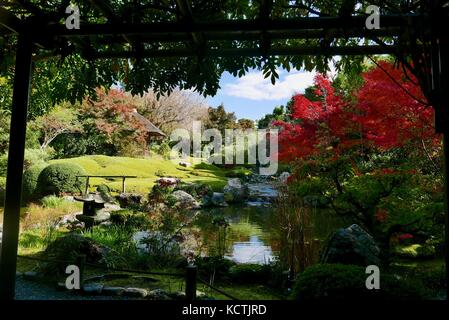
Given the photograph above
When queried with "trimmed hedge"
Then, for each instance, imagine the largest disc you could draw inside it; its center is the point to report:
(60, 178)
(341, 282)
(29, 184)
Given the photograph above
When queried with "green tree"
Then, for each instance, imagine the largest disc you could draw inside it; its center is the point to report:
(218, 118)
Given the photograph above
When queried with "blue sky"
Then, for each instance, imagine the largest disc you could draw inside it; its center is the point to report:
(252, 96)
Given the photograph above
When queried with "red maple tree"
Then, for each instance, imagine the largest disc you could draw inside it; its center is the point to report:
(389, 111)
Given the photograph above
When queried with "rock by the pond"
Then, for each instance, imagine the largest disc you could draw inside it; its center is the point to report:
(235, 191)
(168, 181)
(185, 200)
(93, 288)
(112, 207)
(216, 199)
(135, 292)
(75, 244)
(31, 275)
(352, 245)
(66, 219)
(69, 198)
(283, 177)
(158, 294)
(129, 199)
(113, 291)
(185, 164)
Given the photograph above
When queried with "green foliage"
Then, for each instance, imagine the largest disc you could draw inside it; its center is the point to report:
(239, 172)
(29, 184)
(250, 273)
(278, 113)
(52, 201)
(130, 219)
(217, 266)
(420, 251)
(65, 250)
(60, 178)
(219, 119)
(196, 190)
(347, 282)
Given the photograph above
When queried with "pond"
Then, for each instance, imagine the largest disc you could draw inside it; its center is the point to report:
(252, 236)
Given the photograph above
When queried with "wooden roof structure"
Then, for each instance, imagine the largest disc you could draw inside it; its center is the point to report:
(209, 29)
(151, 129)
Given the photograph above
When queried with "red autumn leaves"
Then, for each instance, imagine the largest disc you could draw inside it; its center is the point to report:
(387, 113)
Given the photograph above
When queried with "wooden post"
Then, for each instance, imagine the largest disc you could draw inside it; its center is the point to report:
(13, 193)
(86, 189)
(123, 185)
(191, 273)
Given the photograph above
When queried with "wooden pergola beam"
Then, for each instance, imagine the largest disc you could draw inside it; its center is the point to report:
(281, 25)
(250, 52)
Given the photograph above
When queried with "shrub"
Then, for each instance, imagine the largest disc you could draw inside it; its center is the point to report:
(37, 156)
(250, 273)
(60, 178)
(338, 281)
(65, 250)
(197, 190)
(238, 172)
(217, 266)
(29, 185)
(130, 219)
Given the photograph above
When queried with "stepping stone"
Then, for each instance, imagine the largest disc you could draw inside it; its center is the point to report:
(135, 292)
(158, 294)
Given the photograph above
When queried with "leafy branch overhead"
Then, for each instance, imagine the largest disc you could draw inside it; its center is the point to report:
(71, 68)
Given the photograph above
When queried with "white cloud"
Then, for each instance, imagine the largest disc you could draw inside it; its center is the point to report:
(253, 85)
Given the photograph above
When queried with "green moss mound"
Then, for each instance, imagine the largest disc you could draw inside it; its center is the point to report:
(60, 178)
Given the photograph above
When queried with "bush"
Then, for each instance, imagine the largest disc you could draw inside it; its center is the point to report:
(60, 178)
(217, 266)
(196, 190)
(250, 273)
(239, 172)
(338, 281)
(29, 185)
(130, 219)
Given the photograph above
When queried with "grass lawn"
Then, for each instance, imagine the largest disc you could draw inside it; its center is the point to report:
(147, 171)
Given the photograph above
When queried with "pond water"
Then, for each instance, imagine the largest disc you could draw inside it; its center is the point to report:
(252, 236)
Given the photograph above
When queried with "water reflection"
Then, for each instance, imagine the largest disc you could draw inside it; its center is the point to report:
(252, 251)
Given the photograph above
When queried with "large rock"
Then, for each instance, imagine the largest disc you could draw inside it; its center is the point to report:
(74, 244)
(216, 199)
(352, 245)
(283, 177)
(235, 191)
(129, 199)
(185, 200)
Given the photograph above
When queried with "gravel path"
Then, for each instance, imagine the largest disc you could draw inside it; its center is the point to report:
(33, 290)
